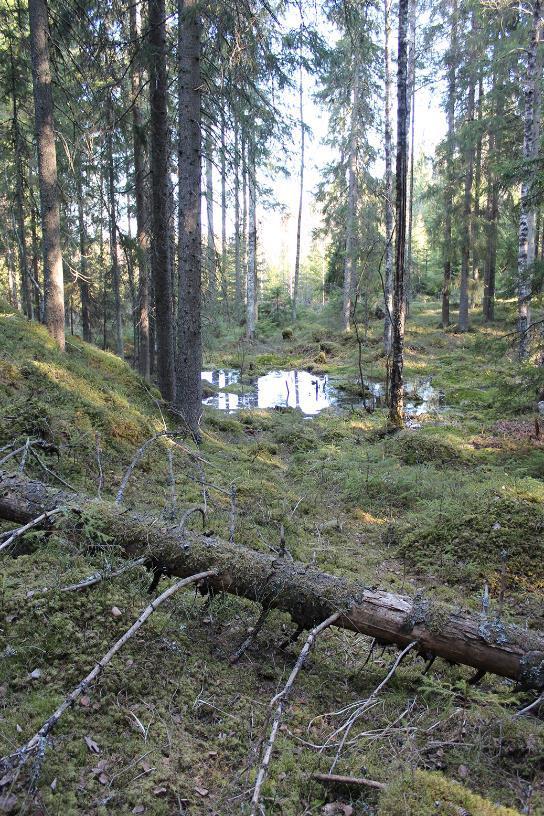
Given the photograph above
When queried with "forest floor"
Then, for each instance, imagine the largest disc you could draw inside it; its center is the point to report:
(172, 726)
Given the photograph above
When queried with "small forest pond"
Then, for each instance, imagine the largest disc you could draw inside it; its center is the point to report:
(311, 393)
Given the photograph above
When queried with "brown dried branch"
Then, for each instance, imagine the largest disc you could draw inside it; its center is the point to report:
(348, 781)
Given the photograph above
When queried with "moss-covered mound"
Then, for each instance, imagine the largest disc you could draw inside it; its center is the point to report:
(475, 537)
(417, 448)
(425, 794)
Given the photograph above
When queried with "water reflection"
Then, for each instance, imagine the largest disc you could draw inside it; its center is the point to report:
(311, 393)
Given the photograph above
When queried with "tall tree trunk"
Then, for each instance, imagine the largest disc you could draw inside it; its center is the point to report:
(301, 190)
(527, 205)
(492, 203)
(26, 288)
(412, 130)
(476, 227)
(142, 237)
(237, 258)
(38, 291)
(466, 227)
(224, 208)
(159, 176)
(244, 215)
(83, 270)
(252, 245)
(189, 343)
(389, 212)
(114, 244)
(47, 170)
(211, 258)
(351, 217)
(450, 181)
(396, 404)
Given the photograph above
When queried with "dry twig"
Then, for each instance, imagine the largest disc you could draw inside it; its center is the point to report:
(279, 701)
(22, 530)
(348, 781)
(91, 580)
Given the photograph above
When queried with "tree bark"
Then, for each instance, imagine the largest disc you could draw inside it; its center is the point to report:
(224, 277)
(466, 226)
(389, 212)
(396, 402)
(301, 190)
(352, 202)
(210, 243)
(142, 237)
(114, 244)
(237, 258)
(189, 341)
(527, 206)
(47, 170)
(26, 289)
(450, 143)
(410, 128)
(159, 175)
(252, 245)
(307, 594)
(83, 270)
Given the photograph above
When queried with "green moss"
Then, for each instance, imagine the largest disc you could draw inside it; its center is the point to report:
(417, 448)
(421, 793)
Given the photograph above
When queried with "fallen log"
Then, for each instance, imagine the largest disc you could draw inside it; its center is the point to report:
(308, 595)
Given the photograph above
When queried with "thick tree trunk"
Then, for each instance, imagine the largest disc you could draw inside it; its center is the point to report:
(476, 228)
(252, 247)
(389, 211)
(47, 170)
(527, 205)
(308, 595)
(450, 141)
(142, 237)
(301, 193)
(396, 402)
(492, 203)
(159, 177)
(244, 215)
(189, 341)
(352, 202)
(83, 270)
(114, 245)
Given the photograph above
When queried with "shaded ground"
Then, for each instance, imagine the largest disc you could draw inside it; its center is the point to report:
(441, 509)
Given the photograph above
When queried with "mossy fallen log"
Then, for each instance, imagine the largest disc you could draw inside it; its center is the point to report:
(307, 594)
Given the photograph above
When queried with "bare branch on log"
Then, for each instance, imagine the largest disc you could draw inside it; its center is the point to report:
(198, 508)
(91, 580)
(12, 454)
(279, 701)
(539, 701)
(348, 781)
(34, 523)
(38, 741)
(24, 457)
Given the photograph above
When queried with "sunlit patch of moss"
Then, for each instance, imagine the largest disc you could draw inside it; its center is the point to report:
(420, 793)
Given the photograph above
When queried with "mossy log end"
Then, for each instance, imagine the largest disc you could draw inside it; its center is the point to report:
(307, 594)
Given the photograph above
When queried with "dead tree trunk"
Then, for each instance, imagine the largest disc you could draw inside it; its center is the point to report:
(308, 595)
